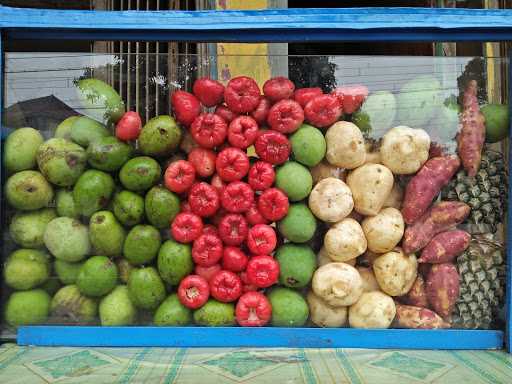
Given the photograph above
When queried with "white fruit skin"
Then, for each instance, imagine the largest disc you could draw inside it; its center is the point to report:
(372, 310)
(339, 284)
(384, 231)
(345, 145)
(325, 315)
(331, 200)
(404, 150)
(371, 185)
(370, 283)
(395, 272)
(345, 240)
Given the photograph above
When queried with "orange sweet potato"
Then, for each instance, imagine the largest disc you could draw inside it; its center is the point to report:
(443, 216)
(445, 247)
(443, 288)
(471, 137)
(426, 185)
(408, 316)
(417, 295)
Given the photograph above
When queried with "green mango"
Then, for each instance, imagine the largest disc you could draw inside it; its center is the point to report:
(160, 136)
(27, 307)
(28, 190)
(20, 149)
(85, 131)
(117, 309)
(172, 313)
(289, 309)
(108, 153)
(308, 145)
(69, 306)
(27, 228)
(140, 173)
(92, 191)
(497, 122)
(67, 239)
(26, 269)
(106, 234)
(299, 224)
(146, 288)
(101, 99)
(61, 161)
(161, 206)
(296, 263)
(65, 204)
(67, 272)
(125, 268)
(97, 276)
(295, 180)
(174, 261)
(63, 130)
(215, 314)
(142, 244)
(128, 208)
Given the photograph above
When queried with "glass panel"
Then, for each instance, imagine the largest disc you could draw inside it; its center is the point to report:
(82, 221)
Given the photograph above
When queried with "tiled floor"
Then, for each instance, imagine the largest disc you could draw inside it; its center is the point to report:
(29, 365)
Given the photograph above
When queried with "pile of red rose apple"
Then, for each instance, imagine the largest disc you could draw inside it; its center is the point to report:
(229, 203)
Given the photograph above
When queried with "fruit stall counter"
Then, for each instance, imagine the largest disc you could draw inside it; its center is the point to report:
(367, 212)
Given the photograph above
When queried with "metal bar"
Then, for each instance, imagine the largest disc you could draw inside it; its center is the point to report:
(157, 67)
(146, 78)
(129, 67)
(260, 337)
(137, 68)
(508, 295)
(121, 58)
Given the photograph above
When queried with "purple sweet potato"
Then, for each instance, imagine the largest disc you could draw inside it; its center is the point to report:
(445, 247)
(426, 185)
(443, 288)
(417, 295)
(408, 316)
(442, 217)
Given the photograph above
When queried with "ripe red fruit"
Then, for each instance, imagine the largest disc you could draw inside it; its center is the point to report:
(285, 116)
(186, 227)
(234, 259)
(278, 88)
(209, 92)
(242, 132)
(323, 111)
(253, 310)
(273, 204)
(261, 176)
(203, 199)
(351, 97)
(129, 126)
(232, 164)
(246, 285)
(203, 161)
(186, 107)
(261, 112)
(207, 272)
(233, 229)
(193, 291)
(261, 239)
(242, 94)
(262, 271)
(227, 114)
(209, 130)
(237, 197)
(304, 95)
(179, 176)
(225, 286)
(273, 147)
(254, 216)
(217, 183)
(210, 229)
(207, 250)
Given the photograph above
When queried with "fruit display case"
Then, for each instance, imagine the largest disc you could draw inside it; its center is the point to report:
(367, 211)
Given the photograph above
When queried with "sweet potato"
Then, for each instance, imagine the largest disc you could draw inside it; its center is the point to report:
(417, 295)
(408, 316)
(471, 137)
(443, 288)
(445, 247)
(426, 185)
(441, 217)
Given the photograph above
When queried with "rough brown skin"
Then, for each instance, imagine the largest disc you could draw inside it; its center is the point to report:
(443, 216)
(417, 296)
(471, 137)
(443, 288)
(445, 247)
(408, 316)
(426, 185)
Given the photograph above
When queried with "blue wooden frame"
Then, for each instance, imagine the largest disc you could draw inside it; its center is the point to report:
(284, 25)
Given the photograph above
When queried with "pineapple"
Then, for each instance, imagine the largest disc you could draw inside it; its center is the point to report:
(486, 193)
(482, 283)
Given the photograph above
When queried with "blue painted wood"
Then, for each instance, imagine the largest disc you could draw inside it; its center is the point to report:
(276, 25)
(258, 337)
